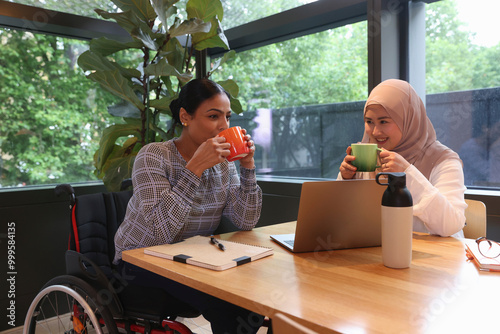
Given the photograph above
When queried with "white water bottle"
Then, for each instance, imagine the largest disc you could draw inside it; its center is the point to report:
(397, 221)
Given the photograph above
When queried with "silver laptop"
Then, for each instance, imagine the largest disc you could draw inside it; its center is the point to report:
(336, 215)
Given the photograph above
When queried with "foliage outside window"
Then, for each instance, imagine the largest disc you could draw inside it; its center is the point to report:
(463, 90)
(295, 91)
(106, 65)
(453, 61)
(51, 115)
(286, 84)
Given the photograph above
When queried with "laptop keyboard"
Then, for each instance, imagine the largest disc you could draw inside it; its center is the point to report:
(289, 242)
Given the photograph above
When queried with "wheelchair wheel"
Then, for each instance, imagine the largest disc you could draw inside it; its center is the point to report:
(67, 304)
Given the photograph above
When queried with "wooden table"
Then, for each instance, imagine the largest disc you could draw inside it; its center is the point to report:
(351, 291)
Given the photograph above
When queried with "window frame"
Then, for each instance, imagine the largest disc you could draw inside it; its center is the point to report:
(306, 19)
(45, 21)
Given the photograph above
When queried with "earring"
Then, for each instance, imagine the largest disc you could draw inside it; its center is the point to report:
(184, 124)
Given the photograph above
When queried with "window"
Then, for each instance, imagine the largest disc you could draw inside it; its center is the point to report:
(303, 100)
(463, 84)
(294, 99)
(52, 116)
(302, 97)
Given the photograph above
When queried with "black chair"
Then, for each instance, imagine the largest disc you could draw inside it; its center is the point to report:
(93, 296)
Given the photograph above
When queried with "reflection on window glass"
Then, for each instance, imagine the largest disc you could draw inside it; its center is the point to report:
(463, 84)
(52, 116)
(303, 100)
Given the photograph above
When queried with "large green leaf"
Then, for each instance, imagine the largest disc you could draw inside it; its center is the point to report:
(164, 9)
(141, 8)
(191, 26)
(108, 140)
(105, 46)
(127, 20)
(221, 34)
(222, 60)
(116, 84)
(163, 135)
(128, 72)
(146, 36)
(165, 69)
(214, 38)
(236, 105)
(174, 52)
(230, 86)
(205, 9)
(168, 88)
(124, 109)
(132, 21)
(128, 148)
(163, 103)
(91, 61)
(142, 31)
(117, 170)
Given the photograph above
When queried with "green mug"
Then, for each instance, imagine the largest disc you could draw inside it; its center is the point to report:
(366, 156)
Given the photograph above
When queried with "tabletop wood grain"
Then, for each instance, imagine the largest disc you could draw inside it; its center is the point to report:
(351, 291)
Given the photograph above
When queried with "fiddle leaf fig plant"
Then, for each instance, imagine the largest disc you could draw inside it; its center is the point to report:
(166, 44)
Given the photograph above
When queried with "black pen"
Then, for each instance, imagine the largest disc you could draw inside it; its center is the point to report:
(217, 243)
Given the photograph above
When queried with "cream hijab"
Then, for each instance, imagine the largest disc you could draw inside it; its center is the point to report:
(418, 144)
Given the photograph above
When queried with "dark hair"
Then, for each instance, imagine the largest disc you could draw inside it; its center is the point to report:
(192, 94)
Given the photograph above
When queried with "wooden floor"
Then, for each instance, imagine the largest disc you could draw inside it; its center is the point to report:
(197, 325)
(201, 326)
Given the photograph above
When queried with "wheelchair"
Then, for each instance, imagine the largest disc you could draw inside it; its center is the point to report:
(93, 297)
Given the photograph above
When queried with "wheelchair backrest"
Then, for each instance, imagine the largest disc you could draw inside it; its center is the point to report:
(95, 219)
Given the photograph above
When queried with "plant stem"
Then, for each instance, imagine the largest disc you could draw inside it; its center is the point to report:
(187, 59)
(145, 99)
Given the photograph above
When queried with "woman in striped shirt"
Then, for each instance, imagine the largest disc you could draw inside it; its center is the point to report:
(183, 187)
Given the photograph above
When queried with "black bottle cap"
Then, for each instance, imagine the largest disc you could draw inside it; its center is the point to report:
(396, 194)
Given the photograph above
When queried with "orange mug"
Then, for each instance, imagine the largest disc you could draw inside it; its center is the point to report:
(239, 146)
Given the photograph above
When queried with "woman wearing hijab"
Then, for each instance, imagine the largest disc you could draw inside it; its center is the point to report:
(396, 120)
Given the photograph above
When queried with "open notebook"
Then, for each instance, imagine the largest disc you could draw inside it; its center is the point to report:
(201, 252)
(336, 215)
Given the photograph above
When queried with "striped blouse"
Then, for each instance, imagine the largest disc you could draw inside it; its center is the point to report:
(170, 203)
